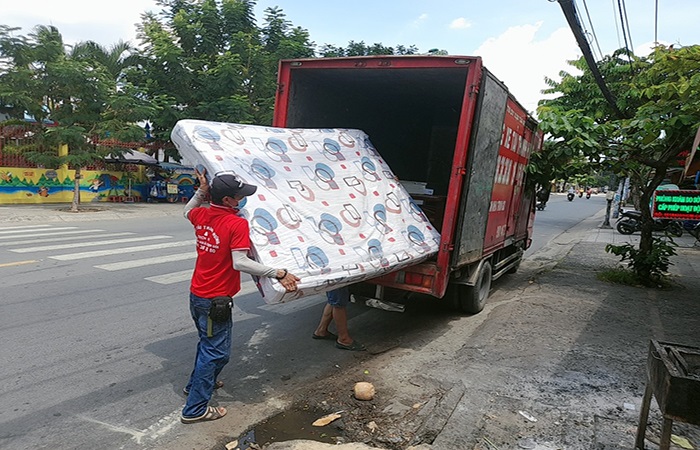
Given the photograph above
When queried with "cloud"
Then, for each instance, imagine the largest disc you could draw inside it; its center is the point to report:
(419, 21)
(522, 62)
(460, 24)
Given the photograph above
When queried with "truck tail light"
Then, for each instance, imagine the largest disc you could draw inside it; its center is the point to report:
(417, 279)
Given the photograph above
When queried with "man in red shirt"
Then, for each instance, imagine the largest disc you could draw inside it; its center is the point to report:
(223, 243)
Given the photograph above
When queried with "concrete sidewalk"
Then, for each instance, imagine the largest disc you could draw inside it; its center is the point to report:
(60, 212)
(557, 360)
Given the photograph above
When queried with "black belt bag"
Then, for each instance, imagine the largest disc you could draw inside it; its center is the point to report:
(220, 309)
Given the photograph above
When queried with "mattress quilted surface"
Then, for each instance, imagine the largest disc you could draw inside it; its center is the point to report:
(328, 208)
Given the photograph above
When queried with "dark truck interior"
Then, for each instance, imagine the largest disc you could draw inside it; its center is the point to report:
(410, 115)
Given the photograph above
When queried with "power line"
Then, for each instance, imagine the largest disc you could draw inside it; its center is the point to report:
(595, 38)
(624, 34)
(627, 25)
(569, 10)
(617, 28)
(656, 22)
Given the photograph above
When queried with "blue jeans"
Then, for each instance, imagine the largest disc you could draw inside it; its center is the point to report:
(212, 355)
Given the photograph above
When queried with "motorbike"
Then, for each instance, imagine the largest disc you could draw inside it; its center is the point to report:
(692, 227)
(631, 221)
(570, 196)
(542, 197)
(588, 194)
(580, 194)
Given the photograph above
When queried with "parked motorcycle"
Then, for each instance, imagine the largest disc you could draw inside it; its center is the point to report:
(631, 221)
(588, 194)
(692, 227)
(570, 196)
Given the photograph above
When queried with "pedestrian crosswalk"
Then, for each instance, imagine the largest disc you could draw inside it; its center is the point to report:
(74, 243)
(117, 251)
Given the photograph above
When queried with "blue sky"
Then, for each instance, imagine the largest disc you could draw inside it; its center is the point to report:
(521, 41)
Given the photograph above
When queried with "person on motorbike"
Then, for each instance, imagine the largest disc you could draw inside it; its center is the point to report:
(542, 197)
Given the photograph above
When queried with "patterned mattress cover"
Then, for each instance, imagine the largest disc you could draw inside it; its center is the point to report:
(327, 208)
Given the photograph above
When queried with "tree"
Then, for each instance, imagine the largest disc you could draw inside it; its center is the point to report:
(76, 92)
(208, 60)
(659, 97)
(361, 49)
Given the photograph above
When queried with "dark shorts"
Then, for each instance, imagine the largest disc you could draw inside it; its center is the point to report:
(338, 298)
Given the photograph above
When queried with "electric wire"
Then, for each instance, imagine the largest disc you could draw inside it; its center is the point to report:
(624, 34)
(627, 25)
(595, 38)
(589, 36)
(617, 28)
(656, 22)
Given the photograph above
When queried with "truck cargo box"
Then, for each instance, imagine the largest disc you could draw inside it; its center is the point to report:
(445, 125)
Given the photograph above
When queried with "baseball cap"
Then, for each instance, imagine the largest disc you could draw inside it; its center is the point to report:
(227, 185)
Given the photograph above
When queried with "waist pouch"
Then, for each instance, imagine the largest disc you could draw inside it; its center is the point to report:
(220, 309)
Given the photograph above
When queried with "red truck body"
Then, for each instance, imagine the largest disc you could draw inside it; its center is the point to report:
(444, 122)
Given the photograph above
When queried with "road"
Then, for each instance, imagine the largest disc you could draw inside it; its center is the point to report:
(98, 343)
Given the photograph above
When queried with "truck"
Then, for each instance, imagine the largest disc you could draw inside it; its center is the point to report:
(455, 137)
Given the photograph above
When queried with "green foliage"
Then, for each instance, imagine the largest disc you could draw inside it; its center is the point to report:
(649, 267)
(659, 97)
(619, 275)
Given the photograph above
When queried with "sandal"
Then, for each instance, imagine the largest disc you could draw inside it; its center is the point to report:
(217, 385)
(212, 413)
(355, 346)
(330, 337)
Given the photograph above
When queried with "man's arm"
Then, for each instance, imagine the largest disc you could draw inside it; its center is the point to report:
(199, 196)
(242, 263)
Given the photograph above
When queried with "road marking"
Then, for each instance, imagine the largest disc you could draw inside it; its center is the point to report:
(63, 239)
(146, 261)
(118, 251)
(19, 263)
(170, 278)
(51, 233)
(5, 233)
(87, 244)
(23, 227)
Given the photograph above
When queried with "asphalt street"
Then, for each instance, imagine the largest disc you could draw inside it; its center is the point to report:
(97, 336)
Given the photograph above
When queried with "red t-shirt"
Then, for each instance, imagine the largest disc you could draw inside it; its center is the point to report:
(218, 231)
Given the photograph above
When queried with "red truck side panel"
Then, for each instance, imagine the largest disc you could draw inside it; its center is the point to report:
(513, 156)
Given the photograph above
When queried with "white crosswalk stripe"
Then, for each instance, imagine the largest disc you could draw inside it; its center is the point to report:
(118, 251)
(3, 230)
(53, 232)
(87, 244)
(26, 239)
(170, 278)
(64, 239)
(132, 264)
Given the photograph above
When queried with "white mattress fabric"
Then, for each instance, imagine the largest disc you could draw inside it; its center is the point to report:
(327, 208)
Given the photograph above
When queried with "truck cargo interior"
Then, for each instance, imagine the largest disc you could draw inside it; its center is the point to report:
(413, 126)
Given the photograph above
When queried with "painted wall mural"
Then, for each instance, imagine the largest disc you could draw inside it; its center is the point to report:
(22, 185)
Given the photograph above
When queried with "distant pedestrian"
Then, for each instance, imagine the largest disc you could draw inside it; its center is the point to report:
(223, 242)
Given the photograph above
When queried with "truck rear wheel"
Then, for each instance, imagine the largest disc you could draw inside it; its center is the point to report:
(472, 299)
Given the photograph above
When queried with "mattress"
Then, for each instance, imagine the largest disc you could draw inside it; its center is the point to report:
(328, 208)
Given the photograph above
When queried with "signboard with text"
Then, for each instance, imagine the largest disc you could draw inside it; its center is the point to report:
(677, 205)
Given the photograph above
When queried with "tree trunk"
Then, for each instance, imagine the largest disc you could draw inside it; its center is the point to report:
(646, 240)
(76, 191)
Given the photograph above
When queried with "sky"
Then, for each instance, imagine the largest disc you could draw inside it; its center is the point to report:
(520, 41)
